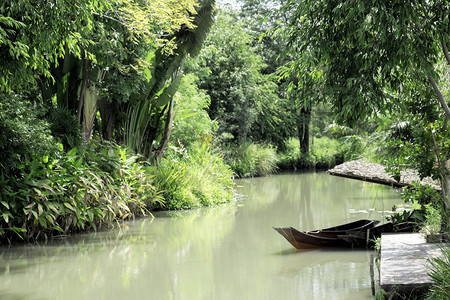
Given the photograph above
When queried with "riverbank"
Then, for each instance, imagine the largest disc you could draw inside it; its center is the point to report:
(373, 172)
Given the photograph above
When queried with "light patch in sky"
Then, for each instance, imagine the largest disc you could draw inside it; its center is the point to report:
(233, 3)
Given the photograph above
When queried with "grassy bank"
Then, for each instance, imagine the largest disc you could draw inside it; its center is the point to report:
(101, 184)
(251, 160)
(193, 178)
(324, 153)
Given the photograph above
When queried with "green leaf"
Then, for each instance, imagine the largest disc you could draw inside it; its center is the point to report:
(69, 206)
(50, 219)
(6, 216)
(73, 152)
(43, 222)
(5, 204)
(53, 208)
(40, 209)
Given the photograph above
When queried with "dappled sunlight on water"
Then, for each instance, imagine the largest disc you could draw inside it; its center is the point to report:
(224, 252)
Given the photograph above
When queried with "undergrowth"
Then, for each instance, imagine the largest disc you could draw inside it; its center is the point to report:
(193, 178)
(250, 160)
(83, 189)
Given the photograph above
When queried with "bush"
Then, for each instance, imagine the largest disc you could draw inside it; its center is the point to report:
(80, 190)
(324, 153)
(191, 121)
(23, 133)
(249, 160)
(440, 274)
(193, 178)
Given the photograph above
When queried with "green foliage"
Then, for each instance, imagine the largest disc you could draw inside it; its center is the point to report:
(91, 29)
(377, 246)
(150, 111)
(83, 189)
(422, 194)
(249, 159)
(372, 36)
(381, 295)
(23, 133)
(244, 102)
(440, 274)
(191, 122)
(194, 177)
(325, 152)
(430, 206)
(65, 126)
(433, 219)
(398, 216)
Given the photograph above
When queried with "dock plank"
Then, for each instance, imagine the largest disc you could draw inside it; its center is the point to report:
(404, 262)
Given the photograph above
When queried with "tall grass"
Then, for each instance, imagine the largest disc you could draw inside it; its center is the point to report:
(324, 152)
(440, 274)
(195, 177)
(249, 160)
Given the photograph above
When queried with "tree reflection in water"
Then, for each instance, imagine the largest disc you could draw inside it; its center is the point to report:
(223, 252)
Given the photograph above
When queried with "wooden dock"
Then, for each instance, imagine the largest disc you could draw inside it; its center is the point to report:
(404, 262)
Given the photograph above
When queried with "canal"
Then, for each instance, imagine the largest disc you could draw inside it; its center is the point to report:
(221, 252)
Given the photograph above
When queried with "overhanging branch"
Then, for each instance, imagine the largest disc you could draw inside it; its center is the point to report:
(439, 94)
(444, 48)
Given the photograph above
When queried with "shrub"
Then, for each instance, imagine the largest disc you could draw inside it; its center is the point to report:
(191, 121)
(324, 153)
(23, 133)
(80, 190)
(249, 160)
(440, 274)
(193, 178)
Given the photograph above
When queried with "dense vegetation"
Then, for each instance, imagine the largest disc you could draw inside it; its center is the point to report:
(111, 109)
(87, 105)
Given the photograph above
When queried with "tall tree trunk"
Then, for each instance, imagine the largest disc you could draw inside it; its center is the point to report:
(108, 115)
(89, 110)
(446, 188)
(303, 122)
(166, 134)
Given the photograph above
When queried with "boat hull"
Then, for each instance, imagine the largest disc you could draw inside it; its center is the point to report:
(327, 237)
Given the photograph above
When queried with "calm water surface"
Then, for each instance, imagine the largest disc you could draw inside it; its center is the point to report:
(224, 252)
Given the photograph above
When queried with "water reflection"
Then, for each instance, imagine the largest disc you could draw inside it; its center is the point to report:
(225, 252)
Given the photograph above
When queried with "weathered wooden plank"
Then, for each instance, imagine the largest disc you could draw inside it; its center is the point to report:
(404, 262)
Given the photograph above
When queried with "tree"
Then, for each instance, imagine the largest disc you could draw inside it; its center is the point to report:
(374, 55)
(244, 101)
(70, 48)
(151, 111)
(263, 17)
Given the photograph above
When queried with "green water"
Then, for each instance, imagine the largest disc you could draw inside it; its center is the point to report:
(224, 252)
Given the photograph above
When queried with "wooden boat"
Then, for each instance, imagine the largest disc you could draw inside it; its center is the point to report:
(327, 237)
(367, 238)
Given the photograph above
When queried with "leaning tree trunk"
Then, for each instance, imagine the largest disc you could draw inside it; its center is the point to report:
(166, 134)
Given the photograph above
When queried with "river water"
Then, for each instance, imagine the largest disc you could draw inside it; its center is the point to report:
(222, 252)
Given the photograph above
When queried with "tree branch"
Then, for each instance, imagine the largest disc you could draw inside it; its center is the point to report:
(439, 95)
(446, 54)
(444, 127)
